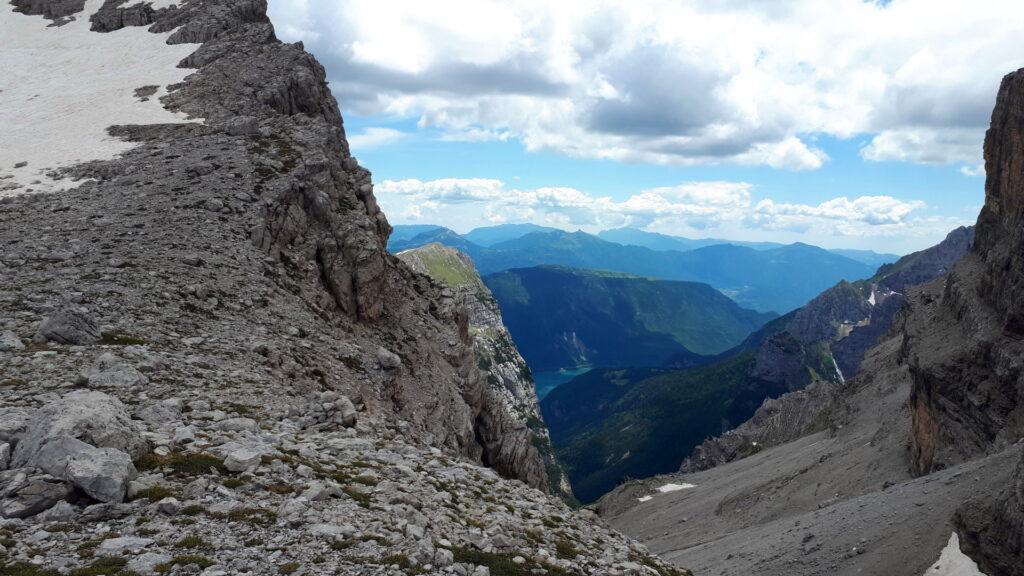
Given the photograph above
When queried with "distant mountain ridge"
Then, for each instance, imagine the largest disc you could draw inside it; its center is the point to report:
(563, 317)
(772, 279)
(637, 421)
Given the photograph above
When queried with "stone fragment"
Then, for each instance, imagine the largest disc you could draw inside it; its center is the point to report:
(69, 326)
(26, 496)
(111, 371)
(387, 359)
(102, 473)
(242, 459)
(9, 342)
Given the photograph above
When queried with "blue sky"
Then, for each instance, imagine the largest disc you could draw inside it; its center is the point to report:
(852, 124)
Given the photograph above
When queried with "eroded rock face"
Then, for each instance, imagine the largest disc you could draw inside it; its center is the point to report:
(508, 422)
(992, 530)
(965, 351)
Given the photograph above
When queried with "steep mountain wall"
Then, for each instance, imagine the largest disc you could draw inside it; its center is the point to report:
(507, 375)
(967, 357)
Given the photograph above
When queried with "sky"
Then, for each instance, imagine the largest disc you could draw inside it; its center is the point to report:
(845, 123)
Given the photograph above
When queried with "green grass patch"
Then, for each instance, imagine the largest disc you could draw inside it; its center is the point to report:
(184, 560)
(154, 493)
(117, 338)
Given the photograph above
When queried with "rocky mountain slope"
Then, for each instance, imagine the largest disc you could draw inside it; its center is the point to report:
(919, 462)
(840, 325)
(777, 385)
(507, 373)
(777, 279)
(211, 363)
(564, 317)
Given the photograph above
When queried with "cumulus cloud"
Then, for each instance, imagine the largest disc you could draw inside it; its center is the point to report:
(716, 208)
(674, 82)
(374, 137)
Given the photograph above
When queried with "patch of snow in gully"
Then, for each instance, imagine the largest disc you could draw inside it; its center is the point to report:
(675, 487)
(953, 562)
(63, 86)
(645, 498)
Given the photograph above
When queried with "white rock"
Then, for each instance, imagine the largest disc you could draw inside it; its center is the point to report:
(169, 506)
(9, 342)
(146, 563)
(124, 544)
(387, 359)
(102, 473)
(242, 459)
(111, 371)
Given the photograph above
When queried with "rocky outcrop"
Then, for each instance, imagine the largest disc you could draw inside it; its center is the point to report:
(965, 351)
(817, 348)
(992, 529)
(777, 421)
(510, 419)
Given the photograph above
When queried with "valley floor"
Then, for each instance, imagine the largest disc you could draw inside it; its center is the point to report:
(837, 502)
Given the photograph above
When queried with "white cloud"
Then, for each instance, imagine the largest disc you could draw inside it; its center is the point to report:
(374, 137)
(717, 208)
(674, 82)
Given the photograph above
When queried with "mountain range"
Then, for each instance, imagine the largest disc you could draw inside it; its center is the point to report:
(608, 425)
(563, 318)
(912, 466)
(768, 279)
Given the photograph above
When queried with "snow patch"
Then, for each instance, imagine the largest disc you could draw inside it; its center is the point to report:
(675, 487)
(63, 86)
(871, 299)
(645, 498)
(842, 379)
(953, 562)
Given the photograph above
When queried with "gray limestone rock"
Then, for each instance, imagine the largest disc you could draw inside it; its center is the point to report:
(111, 371)
(93, 417)
(69, 326)
(25, 495)
(9, 342)
(102, 473)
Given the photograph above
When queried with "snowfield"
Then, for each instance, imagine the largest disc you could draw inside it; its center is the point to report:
(62, 87)
(675, 487)
(953, 562)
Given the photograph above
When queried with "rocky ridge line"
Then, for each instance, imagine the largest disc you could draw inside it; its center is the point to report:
(289, 398)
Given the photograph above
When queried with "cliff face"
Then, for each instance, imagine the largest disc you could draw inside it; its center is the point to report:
(965, 354)
(249, 354)
(815, 349)
(517, 430)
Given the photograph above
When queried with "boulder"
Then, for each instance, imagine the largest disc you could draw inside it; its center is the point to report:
(9, 342)
(13, 423)
(62, 511)
(346, 412)
(69, 326)
(162, 412)
(134, 544)
(242, 459)
(238, 425)
(87, 415)
(387, 359)
(146, 563)
(26, 495)
(102, 473)
(111, 371)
